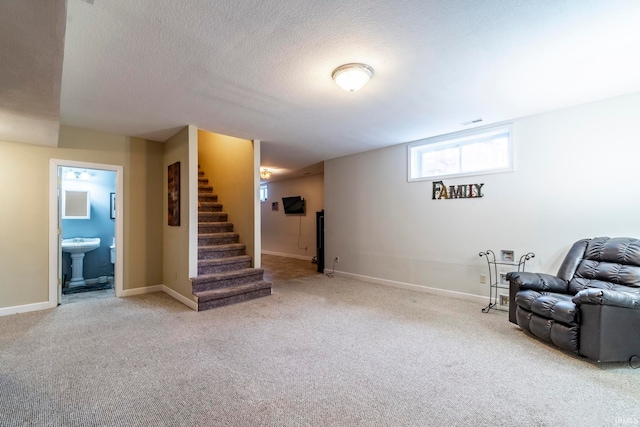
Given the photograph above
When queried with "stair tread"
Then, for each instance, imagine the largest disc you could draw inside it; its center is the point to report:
(221, 234)
(222, 247)
(226, 260)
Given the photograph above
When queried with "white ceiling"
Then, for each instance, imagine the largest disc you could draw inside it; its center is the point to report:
(31, 48)
(262, 69)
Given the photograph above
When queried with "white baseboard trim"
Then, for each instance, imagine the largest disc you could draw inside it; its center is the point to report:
(162, 288)
(304, 257)
(181, 298)
(141, 290)
(412, 287)
(7, 311)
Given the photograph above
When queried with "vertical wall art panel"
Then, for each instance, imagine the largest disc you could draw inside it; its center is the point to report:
(174, 194)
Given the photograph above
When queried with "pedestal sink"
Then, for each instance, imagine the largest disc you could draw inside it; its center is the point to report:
(77, 247)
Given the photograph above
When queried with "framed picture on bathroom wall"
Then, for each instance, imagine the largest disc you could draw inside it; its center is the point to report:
(173, 181)
(113, 205)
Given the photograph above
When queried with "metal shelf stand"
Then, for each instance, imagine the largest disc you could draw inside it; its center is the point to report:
(494, 277)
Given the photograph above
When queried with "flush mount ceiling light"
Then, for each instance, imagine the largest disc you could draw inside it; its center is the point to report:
(352, 77)
(265, 174)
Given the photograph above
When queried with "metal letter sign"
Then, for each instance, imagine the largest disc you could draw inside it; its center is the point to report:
(464, 191)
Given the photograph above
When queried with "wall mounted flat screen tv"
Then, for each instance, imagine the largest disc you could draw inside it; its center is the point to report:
(293, 205)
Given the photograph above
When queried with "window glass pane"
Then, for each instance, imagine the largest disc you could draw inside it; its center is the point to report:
(440, 162)
(481, 151)
(487, 155)
(263, 193)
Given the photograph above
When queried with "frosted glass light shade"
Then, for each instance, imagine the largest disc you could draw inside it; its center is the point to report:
(352, 77)
(265, 174)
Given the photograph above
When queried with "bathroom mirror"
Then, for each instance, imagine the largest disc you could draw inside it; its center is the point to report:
(75, 205)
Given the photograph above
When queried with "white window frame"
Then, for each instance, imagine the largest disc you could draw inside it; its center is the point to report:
(264, 190)
(460, 139)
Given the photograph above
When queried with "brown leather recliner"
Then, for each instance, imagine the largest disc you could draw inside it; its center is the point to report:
(591, 307)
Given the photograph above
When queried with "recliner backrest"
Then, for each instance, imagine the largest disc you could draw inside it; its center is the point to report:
(606, 263)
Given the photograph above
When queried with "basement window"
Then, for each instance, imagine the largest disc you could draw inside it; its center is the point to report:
(263, 192)
(476, 152)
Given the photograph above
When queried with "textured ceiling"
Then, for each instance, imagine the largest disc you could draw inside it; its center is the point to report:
(262, 69)
(31, 48)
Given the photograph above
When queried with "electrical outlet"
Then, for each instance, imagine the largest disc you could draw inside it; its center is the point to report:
(337, 259)
(483, 278)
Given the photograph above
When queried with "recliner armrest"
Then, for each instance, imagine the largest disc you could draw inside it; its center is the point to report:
(607, 297)
(540, 282)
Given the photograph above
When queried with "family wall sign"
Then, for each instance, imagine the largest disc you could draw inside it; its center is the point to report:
(463, 191)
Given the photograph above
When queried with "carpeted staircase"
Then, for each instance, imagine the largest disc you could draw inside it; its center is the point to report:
(225, 275)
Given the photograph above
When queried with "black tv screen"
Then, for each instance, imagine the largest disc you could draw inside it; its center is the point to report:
(293, 205)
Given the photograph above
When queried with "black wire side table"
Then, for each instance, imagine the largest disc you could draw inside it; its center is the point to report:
(495, 282)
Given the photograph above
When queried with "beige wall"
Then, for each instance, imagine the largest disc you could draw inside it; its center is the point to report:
(143, 214)
(292, 235)
(576, 176)
(176, 238)
(24, 210)
(228, 162)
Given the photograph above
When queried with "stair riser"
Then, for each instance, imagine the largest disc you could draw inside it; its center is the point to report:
(221, 268)
(212, 217)
(223, 283)
(215, 253)
(212, 227)
(217, 240)
(204, 197)
(205, 188)
(234, 299)
(210, 207)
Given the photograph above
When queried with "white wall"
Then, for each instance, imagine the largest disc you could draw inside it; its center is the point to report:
(576, 176)
(289, 235)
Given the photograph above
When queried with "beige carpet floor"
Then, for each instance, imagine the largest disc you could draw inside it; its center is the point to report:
(318, 352)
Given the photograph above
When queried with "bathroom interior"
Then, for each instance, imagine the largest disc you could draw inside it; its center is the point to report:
(88, 198)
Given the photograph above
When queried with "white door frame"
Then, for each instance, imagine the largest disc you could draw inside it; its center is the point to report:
(54, 241)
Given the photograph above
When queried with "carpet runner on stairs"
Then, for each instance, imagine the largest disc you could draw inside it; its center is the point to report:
(225, 275)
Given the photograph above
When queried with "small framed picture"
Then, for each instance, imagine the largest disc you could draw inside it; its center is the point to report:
(113, 205)
(503, 279)
(274, 206)
(173, 186)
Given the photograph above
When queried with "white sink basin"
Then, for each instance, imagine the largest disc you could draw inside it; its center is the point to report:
(80, 245)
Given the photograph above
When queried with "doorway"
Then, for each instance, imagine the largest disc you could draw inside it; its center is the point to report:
(86, 231)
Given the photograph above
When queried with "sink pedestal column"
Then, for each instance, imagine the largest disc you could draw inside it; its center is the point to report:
(77, 266)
